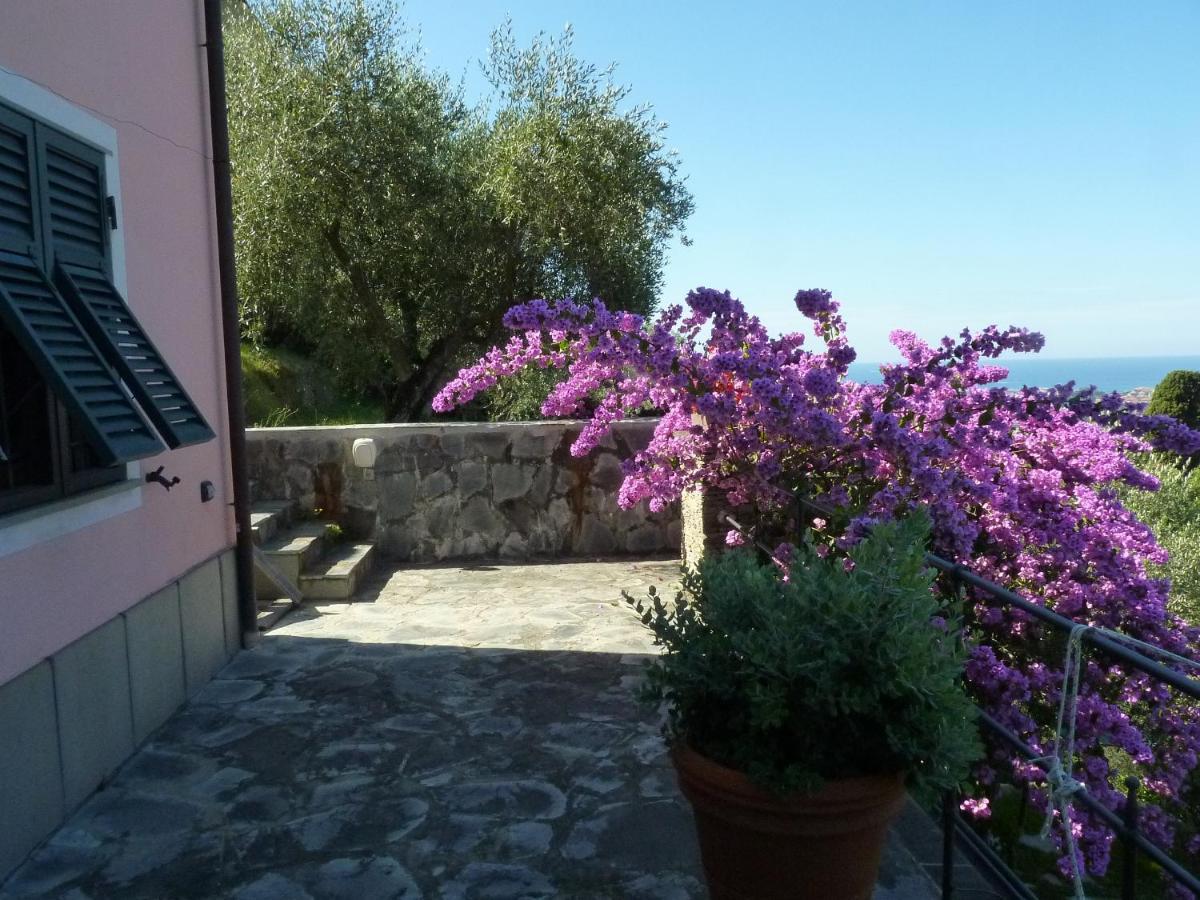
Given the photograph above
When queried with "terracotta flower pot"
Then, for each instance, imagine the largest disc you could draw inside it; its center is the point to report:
(757, 846)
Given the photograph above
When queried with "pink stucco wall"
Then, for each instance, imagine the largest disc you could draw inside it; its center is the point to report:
(139, 66)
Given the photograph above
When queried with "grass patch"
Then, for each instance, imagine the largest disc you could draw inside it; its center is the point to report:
(282, 387)
(1173, 513)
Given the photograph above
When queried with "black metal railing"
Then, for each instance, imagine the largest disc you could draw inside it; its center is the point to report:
(956, 832)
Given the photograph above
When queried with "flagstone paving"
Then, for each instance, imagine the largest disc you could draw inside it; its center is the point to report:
(456, 733)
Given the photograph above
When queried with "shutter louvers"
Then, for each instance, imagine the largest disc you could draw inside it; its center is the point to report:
(18, 228)
(130, 351)
(71, 179)
(40, 319)
(75, 200)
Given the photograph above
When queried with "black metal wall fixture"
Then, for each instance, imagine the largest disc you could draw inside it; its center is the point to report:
(956, 832)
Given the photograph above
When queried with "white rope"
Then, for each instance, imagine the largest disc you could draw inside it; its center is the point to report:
(1152, 649)
(1059, 765)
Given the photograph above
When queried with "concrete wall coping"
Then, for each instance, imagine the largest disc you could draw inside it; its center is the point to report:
(385, 429)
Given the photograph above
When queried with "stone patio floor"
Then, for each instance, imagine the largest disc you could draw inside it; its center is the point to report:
(455, 733)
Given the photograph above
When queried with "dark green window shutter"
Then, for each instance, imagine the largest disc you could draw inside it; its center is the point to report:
(77, 236)
(42, 322)
(124, 343)
(73, 206)
(18, 189)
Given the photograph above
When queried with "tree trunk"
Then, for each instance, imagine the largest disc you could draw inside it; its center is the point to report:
(409, 400)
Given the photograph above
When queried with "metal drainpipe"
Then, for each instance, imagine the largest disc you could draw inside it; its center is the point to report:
(231, 331)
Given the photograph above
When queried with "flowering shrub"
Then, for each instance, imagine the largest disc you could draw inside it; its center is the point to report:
(1018, 485)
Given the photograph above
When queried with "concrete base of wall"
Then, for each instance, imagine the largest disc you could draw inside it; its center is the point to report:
(70, 721)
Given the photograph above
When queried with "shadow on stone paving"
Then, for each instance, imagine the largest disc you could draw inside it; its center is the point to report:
(318, 767)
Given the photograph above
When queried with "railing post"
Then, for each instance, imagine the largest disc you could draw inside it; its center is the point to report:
(1128, 846)
(949, 813)
(950, 801)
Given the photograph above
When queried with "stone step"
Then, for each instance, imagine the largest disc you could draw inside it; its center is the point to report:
(268, 518)
(339, 573)
(299, 547)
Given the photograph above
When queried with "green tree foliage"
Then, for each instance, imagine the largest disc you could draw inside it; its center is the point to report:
(1178, 396)
(384, 225)
(1173, 514)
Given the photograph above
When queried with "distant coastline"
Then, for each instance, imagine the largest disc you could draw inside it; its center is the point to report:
(1136, 375)
(1138, 395)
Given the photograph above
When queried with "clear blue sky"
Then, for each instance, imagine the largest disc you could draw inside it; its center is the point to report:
(934, 164)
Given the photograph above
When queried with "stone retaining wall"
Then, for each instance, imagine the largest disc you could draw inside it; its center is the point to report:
(454, 491)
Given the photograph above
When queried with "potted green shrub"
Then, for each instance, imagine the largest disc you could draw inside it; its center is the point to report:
(802, 708)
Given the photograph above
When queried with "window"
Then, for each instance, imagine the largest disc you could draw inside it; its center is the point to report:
(82, 387)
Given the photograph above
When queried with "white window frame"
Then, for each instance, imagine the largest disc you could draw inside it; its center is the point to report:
(27, 528)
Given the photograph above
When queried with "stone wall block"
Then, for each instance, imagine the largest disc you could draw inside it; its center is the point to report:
(390, 458)
(632, 438)
(648, 538)
(453, 445)
(668, 514)
(521, 514)
(396, 541)
(396, 495)
(428, 462)
(299, 479)
(515, 546)
(413, 442)
(480, 517)
(360, 493)
(441, 517)
(510, 481)
(595, 538)
(539, 488)
(607, 474)
(473, 545)
(472, 477)
(415, 525)
(302, 450)
(493, 445)
(436, 485)
(543, 542)
(630, 519)
(534, 442)
(601, 502)
(565, 482)
(559, 516)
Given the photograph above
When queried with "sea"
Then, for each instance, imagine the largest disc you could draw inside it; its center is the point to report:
(1112, 373)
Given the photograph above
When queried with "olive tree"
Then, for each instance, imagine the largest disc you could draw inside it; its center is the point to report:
(384, 224)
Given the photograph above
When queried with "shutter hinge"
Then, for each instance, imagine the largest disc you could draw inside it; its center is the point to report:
(110, 207)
